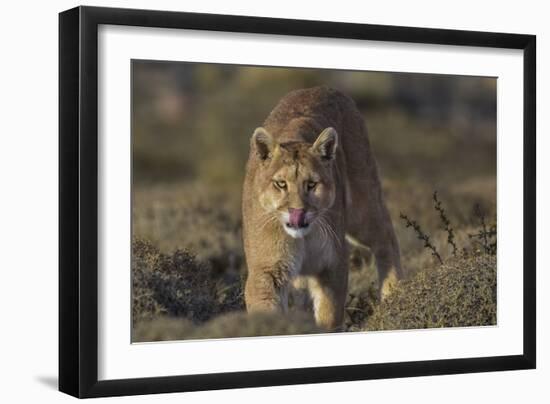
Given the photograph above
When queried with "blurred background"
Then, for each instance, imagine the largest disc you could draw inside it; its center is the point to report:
(194, 121)
(191, 125)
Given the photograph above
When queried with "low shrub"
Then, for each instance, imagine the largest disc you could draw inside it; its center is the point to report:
(178, 285)
(459, 293)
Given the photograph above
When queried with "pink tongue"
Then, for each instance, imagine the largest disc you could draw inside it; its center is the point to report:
(297, 217)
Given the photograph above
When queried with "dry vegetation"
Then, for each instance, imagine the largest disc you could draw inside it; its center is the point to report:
(190, 144)
(459, 293)
(180, 293)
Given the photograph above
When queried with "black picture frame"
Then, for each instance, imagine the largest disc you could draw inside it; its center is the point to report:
(78, 201)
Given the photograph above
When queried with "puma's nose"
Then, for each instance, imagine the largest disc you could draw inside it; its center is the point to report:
(297, 218)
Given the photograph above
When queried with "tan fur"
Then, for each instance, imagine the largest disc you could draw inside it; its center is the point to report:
(313, 138)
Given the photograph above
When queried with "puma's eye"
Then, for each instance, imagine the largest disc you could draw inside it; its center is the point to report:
(280, 184)
(311, 185)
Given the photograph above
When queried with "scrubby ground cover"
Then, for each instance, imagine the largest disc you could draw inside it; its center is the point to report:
(197, 291)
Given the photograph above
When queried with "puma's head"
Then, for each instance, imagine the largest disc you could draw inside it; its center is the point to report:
(296, 180)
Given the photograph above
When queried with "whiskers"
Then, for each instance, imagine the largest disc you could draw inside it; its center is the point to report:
(266, 220)
(327, 231)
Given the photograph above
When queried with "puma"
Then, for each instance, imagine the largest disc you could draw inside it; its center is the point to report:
(311, 183)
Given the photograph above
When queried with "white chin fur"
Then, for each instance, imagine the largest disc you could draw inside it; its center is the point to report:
(297, 233)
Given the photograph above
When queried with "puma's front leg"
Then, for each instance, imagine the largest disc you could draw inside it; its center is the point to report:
(267, 288)
(329, 291)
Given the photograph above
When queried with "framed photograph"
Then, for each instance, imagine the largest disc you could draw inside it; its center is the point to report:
(252, 201)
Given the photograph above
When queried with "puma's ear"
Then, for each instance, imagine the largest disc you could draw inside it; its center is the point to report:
(326, 144)
(263, 143)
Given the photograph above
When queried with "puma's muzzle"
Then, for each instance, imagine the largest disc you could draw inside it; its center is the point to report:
(297, 218)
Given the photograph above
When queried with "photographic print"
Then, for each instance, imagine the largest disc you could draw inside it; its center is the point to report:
(285, 201)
